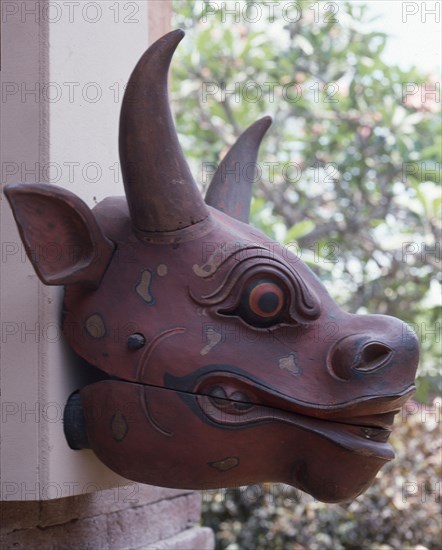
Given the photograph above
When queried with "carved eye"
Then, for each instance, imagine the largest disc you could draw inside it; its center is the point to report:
(265, 299)
(262, 303)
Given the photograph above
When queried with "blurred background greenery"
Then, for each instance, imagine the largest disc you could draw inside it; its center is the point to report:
(350, 171)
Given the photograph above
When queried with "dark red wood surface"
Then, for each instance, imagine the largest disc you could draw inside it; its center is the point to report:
(230, 362)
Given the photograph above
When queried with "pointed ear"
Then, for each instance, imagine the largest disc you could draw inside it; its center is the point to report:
(61, 236)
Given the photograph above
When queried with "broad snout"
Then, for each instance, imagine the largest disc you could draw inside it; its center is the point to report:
(375, 345)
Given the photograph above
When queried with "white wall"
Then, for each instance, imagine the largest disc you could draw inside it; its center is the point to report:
(76, 56)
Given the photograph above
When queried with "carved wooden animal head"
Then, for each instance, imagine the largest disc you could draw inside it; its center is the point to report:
(228, 363)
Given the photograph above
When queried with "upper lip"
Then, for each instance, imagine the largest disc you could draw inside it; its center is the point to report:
(365, 408)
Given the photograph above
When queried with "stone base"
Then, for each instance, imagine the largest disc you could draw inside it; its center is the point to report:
(145, 518)
(197, 538)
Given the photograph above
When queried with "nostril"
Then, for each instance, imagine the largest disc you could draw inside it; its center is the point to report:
(355, 354)
(373, 356)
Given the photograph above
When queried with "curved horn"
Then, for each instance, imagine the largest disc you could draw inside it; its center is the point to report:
(231, 187)
(161, 192)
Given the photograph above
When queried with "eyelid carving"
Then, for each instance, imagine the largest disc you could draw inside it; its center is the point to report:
(303, 305)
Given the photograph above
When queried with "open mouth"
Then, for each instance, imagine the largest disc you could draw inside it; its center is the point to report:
(362, 427)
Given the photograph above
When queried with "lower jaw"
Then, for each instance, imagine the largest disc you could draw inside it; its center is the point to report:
(337, 477)
(166, 441)
(351, 437)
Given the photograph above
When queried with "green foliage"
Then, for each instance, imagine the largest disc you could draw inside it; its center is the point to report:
(356, 156)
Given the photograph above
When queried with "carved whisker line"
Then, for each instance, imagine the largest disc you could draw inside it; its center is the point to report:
(145, 356)
(154, 423)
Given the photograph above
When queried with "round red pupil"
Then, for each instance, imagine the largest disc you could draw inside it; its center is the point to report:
(266, 299)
